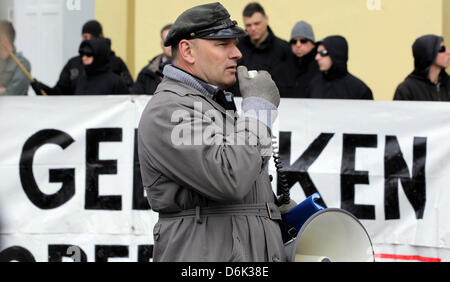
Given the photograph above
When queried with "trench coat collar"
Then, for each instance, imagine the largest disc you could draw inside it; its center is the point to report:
(186, 78)
(207, 90)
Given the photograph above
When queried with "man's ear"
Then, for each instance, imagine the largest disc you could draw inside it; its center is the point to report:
(187, 50)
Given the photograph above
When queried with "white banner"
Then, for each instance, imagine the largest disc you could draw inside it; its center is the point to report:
(71, 185)
(386, 162)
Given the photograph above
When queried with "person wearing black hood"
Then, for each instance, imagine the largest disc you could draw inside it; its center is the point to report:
(336, 82)
(429, 81)
(74, 68)
(98, 77)
(301, 67)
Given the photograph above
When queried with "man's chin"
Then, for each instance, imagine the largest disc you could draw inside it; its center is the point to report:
(230, 84)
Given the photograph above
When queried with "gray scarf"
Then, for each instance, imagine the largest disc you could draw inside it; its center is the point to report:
(206, 89)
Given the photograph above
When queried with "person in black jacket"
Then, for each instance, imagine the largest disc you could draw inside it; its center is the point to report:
(261, 49)
(152, 74)
(336, 82)
(74, 68)
(301, 67)
(98, 77)
(429, 81)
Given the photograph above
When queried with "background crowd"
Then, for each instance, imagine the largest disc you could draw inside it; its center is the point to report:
(304, 67)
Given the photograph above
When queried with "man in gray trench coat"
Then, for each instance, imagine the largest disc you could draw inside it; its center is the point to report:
(204, 168)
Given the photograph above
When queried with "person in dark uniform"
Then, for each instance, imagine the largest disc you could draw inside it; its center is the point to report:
(74, 68)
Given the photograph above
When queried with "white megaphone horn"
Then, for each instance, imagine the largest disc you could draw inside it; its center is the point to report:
(327, 235)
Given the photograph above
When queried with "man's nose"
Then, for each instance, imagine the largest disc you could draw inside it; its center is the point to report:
(235, 53)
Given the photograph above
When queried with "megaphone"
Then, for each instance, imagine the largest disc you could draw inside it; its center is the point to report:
(327, 235)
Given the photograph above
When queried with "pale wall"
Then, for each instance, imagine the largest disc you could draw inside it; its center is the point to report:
(446, 23)
(113, 15)
(380, 40)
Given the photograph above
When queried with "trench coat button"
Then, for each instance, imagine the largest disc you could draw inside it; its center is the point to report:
(271, 178)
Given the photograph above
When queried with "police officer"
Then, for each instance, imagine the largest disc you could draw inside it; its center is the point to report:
(212, 191)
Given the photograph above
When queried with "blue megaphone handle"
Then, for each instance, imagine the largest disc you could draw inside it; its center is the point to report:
(297, 216)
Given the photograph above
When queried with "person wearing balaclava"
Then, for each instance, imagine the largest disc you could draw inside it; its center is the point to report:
(74, 69)
(429, 81)
(98, 78)
(336, 82)
(301, 67)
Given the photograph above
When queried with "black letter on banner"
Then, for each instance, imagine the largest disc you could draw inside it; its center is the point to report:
(64, 176)
(140, 202)
(16, 253)
(395, 169)
(145, 253)
(299, 170)
(350, 177)
(102, 253)
(96, 167)
(57, 252)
